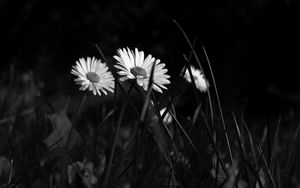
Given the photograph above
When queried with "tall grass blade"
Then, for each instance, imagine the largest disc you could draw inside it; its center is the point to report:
(148, 95)
(255, 173)
(113, 148)
(187, 60)
(264, 136)
(110, 113)
(274, 147)
(164, 126)
(188, 67)
(292, 147)
(185, 134)
(292, 157)
(251, 145)
(214, 146)
(242, 148)
(267, 169)
(196, 114)
(292, 170)
(256, 170)
(75, 116)
(219, 106)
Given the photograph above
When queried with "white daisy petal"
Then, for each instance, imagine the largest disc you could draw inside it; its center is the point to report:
(83, 65)
(137, 57)
(156, 88)
(141, 60)
(148, 63)
(124, 78)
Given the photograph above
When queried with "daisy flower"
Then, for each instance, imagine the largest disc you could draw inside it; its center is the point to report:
(134, 65)
(94, 75)
(201, 83)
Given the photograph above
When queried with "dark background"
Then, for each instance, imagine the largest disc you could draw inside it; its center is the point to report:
(251, 44)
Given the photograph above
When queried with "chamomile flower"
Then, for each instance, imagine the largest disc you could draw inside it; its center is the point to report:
(201, 83)
(93, 75)
(134, 65)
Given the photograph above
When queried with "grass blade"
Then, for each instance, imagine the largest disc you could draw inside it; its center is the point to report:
(292, 147)
(113, 148)
(219, 106)
(215, 146)
(266, 167)
(251, 145)
(274, 148)
(185, 133)
(148, 96)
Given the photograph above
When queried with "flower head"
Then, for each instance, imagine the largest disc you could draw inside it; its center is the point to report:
(93, 75)
(201, 83)
(133, 65)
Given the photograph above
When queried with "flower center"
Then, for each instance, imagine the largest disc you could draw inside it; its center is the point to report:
(138, 72)
(92, 77)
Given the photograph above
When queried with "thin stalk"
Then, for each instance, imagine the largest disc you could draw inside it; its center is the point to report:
(97, 129)
(74, 118)
(217, 173)
(111, 112)
(255, 173)
(136, 159)
(242, 148)
(292, 147)
(292, 170)
(274, 148)
(171, 171)
(219, 105)
(10, 171)
(160, 119)
(266, 166)
(113, 148)
(214, 146)
(188, 67)
(148, 96)
(185, 134)
(252, 145)
(129, 145)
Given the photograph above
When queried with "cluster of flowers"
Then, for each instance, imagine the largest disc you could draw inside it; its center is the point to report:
(94, 75)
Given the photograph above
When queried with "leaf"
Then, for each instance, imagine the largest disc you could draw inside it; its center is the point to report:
(62, 133)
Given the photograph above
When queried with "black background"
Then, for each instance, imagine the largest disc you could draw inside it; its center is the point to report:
(252, 45)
